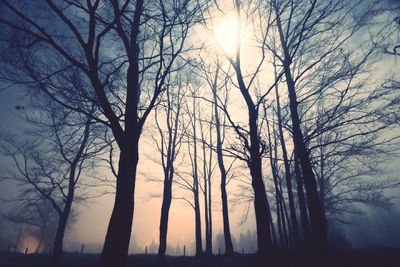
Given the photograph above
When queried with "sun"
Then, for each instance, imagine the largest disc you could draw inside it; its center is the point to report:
(228, 33)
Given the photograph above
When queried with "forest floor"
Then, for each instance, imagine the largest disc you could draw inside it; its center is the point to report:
(371, 257)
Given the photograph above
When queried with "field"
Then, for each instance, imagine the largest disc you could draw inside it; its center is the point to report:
(373, 257)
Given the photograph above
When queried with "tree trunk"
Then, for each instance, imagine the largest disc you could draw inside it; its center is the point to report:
(278, 190)
(221, 165)
(278, 217)
(166, 204)
(210, 245)
(273, 234)
(317, 216)
(197, 215)
(261, 204)
(206, 204)
(116, 244)
(64, 214)
(119, 230)
(62, 225)
(199, 246)
(288, 177)
(302, 201)
(169, 170)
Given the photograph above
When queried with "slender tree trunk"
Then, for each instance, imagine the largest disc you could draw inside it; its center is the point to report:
(209, 174)
(199, 246)
(280, 199)
(206, 218)
(210, 244)
(169, 169)
(305, 225)
(278, 191)
(197, 215)
(287, 232)
(273, 233)
(221, 165)
(64, 214)
(284, 228)
(293, 218)
(278, 217)
(205, 193)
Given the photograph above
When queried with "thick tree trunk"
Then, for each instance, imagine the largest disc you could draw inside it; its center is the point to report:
(261, 204)
(225, 217)
(62, 225)
(165, 207)
(317, 216)
(116, 245)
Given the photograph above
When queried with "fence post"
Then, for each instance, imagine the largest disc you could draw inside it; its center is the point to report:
(83, 247)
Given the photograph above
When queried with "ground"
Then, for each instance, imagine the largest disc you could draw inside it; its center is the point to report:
(372, 257)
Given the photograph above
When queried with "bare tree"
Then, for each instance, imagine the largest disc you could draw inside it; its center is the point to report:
(207, 172)
(253, 146)
(50, 166)
(171, 132)
(125, 51)
(220, 134)
(192, 140)
(330, 75)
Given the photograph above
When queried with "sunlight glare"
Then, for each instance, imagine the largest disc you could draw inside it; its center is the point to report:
(227, 33)
(30, 244)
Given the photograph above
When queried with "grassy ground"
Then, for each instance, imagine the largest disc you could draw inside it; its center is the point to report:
(376, 257)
